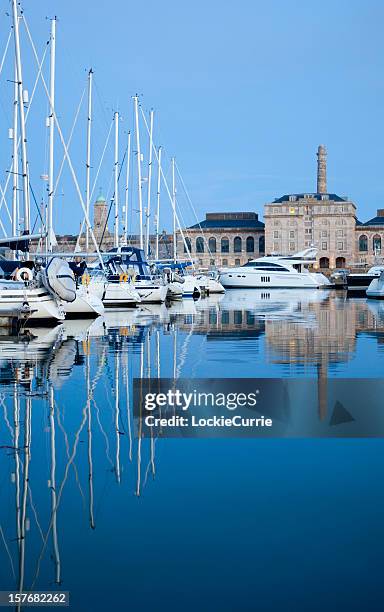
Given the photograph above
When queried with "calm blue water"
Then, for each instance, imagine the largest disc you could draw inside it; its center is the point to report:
(170, 524)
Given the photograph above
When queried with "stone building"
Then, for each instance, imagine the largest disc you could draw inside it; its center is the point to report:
(324, 220)
(223, 239)
(369, 240)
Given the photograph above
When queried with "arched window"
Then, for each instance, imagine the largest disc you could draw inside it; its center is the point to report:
(199, 245)
(224, 245)
(212, 245)
(262, 244)
(237, 244)
(324, 262)
(363, 243)
(377, 243)
(187, 245)
(340, 262)
(250, 244)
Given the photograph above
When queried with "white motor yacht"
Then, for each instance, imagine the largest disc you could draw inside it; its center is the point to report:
(360, 282)
(376, 288)
(290, 271)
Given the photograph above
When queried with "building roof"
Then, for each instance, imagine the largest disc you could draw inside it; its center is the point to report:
(251, 224)
(100, 199)
(316, 196)
(375, 221)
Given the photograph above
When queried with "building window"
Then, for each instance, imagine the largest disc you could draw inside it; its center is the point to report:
(276, 246)
(211, 262)
(292, 234)
(237, 262)
(250, 244)
(212, 245)
(292, 198)
(363, 243)
(325, 197)
(324, 233)
(292, 246)
(224, 245)
(377, 244)
(340, 262)
(324, 262)
(225, 262)
(200, 262)
(261, 244)
(187, 245)
(324, 246)
(199, 245)
(237, 244)
(308, 230)
(275, 234)
(340, 246)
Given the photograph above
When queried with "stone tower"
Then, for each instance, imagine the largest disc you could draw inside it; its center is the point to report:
(100, 214)
(321, 169)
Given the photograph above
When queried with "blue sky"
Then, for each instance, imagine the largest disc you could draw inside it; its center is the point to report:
(243, 93)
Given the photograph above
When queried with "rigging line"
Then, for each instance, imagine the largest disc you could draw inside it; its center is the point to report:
(193, 208)
(5, 51)
(73, 173)
(69, 141)
(8, 551)
(112, 199)
(169, 193)
(94, 184)
(39, 72)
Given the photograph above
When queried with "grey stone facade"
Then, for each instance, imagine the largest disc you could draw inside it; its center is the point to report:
(223, 239)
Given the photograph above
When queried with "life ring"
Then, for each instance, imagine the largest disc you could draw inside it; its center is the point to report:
(123, 277)
(85, 279)
(23, 274)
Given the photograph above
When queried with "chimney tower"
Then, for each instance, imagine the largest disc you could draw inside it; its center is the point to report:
(321, 169)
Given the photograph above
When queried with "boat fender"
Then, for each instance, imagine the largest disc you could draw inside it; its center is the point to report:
(23, 274)
(123, 277)
(85, 279)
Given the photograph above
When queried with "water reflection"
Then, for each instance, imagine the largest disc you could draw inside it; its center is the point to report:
(67, 431)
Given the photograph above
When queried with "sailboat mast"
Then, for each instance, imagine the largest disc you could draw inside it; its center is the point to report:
(116, 240)
(148, 211)
(139, 181)
(23, 135)
(88, 162)
(174, 209)
(15, 160)
(127, 188)
(51, 136)
(158, 201)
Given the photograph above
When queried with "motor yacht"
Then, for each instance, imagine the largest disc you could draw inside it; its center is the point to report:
(376, 288)
(359, 282)
(289, 271)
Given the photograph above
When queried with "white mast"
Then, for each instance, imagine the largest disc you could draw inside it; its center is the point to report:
(136, 102)
(148, 211)
(51, 136)
(88, 162)
(174, 209)
(127, 189)
(158, 202)
(15, 160)
(116, 239)
(23, 135)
